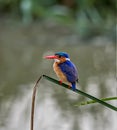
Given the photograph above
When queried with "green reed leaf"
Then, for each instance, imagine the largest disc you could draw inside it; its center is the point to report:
(93, 101)
(82, 93)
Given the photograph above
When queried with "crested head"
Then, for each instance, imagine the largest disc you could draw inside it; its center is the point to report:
(62, 54)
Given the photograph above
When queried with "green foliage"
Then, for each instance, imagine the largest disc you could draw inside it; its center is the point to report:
(88, 17)
(104, 7)
(9, 6)
(45, 3)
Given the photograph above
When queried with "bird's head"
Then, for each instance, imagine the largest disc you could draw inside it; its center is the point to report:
(59, 57)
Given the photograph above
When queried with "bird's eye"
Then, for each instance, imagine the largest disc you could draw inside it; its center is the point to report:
(59, 56)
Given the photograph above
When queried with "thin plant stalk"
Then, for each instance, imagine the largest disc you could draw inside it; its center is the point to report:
(33, 104)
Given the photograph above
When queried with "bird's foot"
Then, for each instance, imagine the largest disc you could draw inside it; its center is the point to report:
(60, 82)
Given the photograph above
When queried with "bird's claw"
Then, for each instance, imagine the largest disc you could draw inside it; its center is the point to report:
(60, 82)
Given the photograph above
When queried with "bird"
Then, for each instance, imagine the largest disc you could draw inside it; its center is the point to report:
(64, 68)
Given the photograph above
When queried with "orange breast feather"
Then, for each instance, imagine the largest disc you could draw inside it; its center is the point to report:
(59, 73)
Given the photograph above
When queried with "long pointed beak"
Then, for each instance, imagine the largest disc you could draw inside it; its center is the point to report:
(50, 57)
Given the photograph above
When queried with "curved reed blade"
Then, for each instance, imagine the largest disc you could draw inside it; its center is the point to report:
(33, 104)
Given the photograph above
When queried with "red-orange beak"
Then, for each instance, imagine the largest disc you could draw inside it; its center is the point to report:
(51, 57)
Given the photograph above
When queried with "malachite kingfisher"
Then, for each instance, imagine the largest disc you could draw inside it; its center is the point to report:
(65, 70)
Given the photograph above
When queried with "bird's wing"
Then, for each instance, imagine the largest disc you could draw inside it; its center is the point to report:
(70, 71)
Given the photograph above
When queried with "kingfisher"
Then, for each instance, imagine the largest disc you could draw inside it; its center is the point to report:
(64, 68)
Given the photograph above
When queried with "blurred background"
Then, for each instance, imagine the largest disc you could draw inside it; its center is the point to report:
(31, 29)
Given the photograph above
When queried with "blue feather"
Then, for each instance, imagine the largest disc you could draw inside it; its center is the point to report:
(70, 71)
(73, 86)
(64, 54)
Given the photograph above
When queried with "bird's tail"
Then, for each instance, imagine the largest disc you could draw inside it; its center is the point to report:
(73, 86)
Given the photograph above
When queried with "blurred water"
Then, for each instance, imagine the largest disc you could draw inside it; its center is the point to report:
(48, 115)
(21, 63)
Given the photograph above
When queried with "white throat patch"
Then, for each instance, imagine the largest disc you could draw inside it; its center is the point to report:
(67, 59)
(56, 60)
